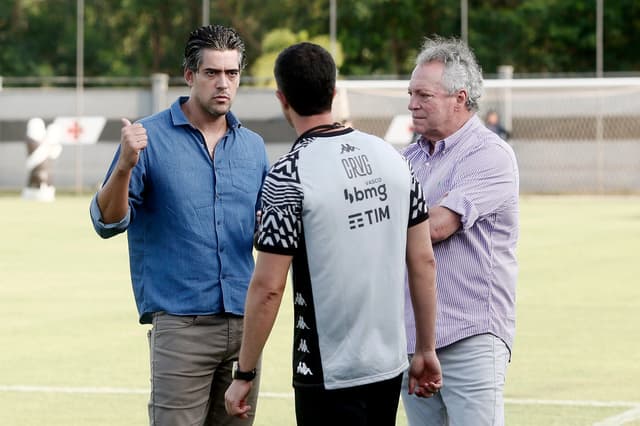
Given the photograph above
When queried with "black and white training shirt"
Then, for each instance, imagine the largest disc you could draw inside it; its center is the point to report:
(341, 204)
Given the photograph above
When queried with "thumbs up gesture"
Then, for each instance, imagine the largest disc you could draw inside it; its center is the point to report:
(133, 139)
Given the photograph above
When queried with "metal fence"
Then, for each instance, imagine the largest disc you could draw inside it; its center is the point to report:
(569, 135)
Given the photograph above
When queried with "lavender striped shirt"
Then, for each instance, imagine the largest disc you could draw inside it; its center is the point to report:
(473, 173)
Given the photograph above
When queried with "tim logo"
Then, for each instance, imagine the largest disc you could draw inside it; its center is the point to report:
(355, 195)
(369, 217)
(357, 166)
(345, 147)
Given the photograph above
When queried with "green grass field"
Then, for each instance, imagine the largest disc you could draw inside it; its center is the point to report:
(72, 352)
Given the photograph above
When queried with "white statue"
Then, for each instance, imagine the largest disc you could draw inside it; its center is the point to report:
(43, 144)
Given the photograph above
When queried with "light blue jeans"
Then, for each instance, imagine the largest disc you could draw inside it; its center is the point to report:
(473, 377)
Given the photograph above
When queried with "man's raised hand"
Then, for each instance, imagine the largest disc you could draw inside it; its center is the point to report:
(133, 139)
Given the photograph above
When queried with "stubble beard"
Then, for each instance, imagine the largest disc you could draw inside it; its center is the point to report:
(216, 109)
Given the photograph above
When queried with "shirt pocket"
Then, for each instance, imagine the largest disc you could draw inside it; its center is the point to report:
(245, 175)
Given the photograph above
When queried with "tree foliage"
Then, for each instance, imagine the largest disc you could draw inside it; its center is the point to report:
(277, 40)
(375, 37)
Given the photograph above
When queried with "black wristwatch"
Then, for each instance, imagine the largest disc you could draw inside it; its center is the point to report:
(238, 374)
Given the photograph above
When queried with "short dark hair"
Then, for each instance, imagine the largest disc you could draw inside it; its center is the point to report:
(306, 75)
(215, 37)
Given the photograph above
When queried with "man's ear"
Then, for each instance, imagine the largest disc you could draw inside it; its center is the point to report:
(462, 97)
(188, 77)
(461, 100)
(282, 99)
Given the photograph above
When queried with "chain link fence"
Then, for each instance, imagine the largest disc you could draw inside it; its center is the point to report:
(569, 135)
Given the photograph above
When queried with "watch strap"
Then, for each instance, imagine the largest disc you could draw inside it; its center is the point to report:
(238, 374)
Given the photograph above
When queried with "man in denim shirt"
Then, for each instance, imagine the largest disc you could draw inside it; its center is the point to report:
(185, 183)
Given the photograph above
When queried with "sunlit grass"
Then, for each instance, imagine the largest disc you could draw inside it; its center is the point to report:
(68, 319)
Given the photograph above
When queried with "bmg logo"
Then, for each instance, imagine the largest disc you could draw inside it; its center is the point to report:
(354, 195)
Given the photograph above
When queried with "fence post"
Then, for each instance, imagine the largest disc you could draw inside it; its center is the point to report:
(505, 72)
(159, 91)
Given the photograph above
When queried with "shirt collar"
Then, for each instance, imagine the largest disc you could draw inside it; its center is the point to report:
(179, 119)
(449, 142)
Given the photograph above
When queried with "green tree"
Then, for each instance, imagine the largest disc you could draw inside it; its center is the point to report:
(37, 38)
(277, 40)
(554, 36)
(382, 37)
(135, 38)
(138, 37)
(621, 36)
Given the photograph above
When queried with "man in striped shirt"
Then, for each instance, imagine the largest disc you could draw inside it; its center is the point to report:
(470, 181)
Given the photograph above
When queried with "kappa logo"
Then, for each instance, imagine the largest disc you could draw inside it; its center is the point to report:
(303, 369)
(301, 324)
(302, 347)
(300, 300)
(345, 147)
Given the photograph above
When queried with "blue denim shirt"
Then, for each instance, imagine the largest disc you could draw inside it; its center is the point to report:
(191, 219)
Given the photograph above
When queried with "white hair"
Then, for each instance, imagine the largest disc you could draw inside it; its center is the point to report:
(461, 69)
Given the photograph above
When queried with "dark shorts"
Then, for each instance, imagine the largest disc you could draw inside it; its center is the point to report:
(372, 404)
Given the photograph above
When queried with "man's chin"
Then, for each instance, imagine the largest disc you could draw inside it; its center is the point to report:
(217, 111)
(418, 129)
